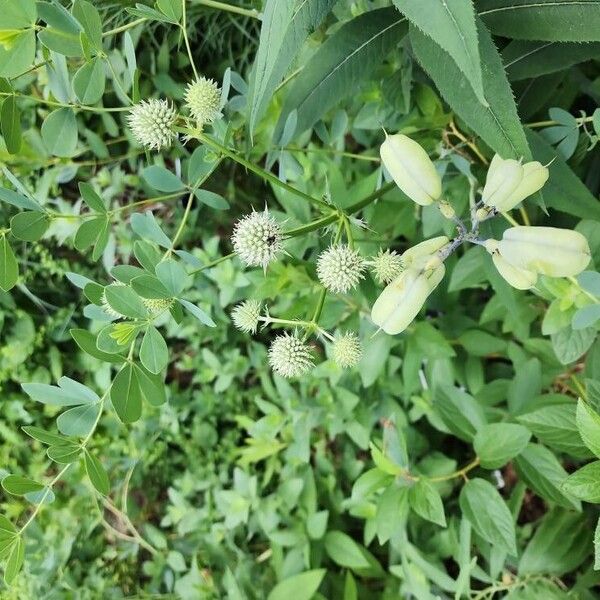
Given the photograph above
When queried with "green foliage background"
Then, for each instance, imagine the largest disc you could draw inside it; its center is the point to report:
(441, 467)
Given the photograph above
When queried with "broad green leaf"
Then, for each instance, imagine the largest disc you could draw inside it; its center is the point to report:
(64, 453)
(29, 226)
(89, 82)
(555, 426)
(125, 395)
(590, 281)
(197, 312)
(19, 55)
(62, 32)
(497, 443)
(172, 275)
(346, 59)
(91, 198)
(146, 227)
(87, 342)
(89, 18)
(171, 9)
(79, 421)
(211, 199)
(57, 396)
(9, 268)
(148, 286)
(15, 560)
(7, 529)
(570, 344)
(498, 123)
(18, 200)
(46, 437)
(59, 132)
(10, 124)
(152, 387)
(285, 27)
(586, 316)
(19, 486)
(299, 587)
(89, 233)
(126, 273)
(154, 353)
(481, 503)
(542, 472)
(597, 547)
(97, 473)
(549, 20)
(461, 413)
(585, 483)
(425, 500)
(527, 59)
(18, 15)
(161, 179)
(125, 301)
(345, 552)
(588, 424)
(452, 26)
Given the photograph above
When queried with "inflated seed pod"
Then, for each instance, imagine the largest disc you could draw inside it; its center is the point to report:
(503, 179)
(418, 255)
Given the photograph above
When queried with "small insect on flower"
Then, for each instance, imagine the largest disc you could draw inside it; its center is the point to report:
(346, 350)
(289, 356)
(151, 123)
(158, 305)
(386, 266)
(257, 239)
(340, 268)
(203, 100)
(246, 316)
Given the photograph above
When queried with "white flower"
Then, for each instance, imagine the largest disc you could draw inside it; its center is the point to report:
(346, 350)
(158, 305)
(203, 99)
(246, 315)
(257, 239)
(386, 266)
(411, 169)
(151, 123)
(340, 268)
(289, 356)
(108, 309)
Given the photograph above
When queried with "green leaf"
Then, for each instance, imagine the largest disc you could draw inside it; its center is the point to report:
(79, 421)
(172, 275)
(336, 70)
(211, 199)
(498, 123)
(89, 82)
(497, 443)
(345, 552)
(154, 353)
(125, 395)
(29, 226)
(15, 560)
(300, 587)
(7, 529)
(161, 179)
(19, 486)
(586, 316)
(570, 344)
(62, 33)
(555, 426)
(548, 20)
(426, 501)
(585, 483)
(148, 286)
(91, 198)
(10, 124)
(171, 9)
(284, 29)
(597, 547)
(19, 55)
(542, 472)
(151, 386)
(452, 26)
(18, 200)
(89, 18)
(18, 15)
(46, 437)
(66, 394)
(59, 132)
(197, 312)
(9, 268)
(64, 453)
(461, 413)
(97, 473)
(146, 227)
(87, 342)
(588, 424)
(125, 301)
(590, 281)
(483, 506)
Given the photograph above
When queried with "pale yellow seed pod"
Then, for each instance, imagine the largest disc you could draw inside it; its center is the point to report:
(411, 169)
(546, 250)
(418, 255)
(535, 175)
(503, 178)
(401, 300)
(522, 279)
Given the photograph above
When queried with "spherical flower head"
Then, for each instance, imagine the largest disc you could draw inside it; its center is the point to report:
(151, 123)
(257, 239)
(158, 305)
(340, 268)
(246, 315)
(289, 356)
(203, 100)
(346, 350)
(386, 266)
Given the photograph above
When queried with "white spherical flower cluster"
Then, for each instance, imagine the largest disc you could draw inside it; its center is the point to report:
(386, 266)
(246, 316)
(151, 122)
(257, 239)
(346, 350)
(203, 100)
(340, 268)
(289, 356)
(158, 305)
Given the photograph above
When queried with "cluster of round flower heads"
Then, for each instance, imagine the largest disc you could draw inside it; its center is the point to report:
(152, 122)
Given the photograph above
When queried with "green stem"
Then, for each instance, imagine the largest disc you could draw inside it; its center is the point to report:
(179, 231)
(73, 105)
(384, 189)
(580, 121)
(124, 27)
(247, 12)
(186, 40)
